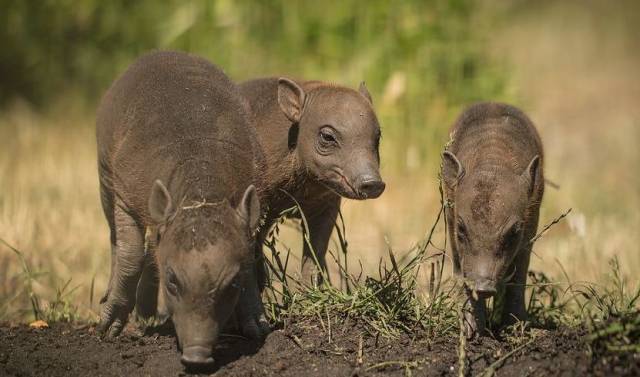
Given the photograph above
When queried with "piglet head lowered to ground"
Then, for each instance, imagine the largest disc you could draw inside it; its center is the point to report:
(204, 250)
(491, 214)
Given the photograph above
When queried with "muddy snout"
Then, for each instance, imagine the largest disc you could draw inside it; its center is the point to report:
(196, 357)
(369, 186)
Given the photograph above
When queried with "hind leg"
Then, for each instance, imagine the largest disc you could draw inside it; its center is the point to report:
(127, 267)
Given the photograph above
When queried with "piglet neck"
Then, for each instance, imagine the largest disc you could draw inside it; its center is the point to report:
(284, 174)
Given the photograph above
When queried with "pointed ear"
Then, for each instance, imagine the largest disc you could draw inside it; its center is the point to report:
(364, 92)
(160, 203)
(530, 174)
(452, 169)
(290, 98)
(249, 208)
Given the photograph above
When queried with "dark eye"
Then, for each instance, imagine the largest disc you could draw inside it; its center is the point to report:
(327, 136)
(172, 283)
(512, 236)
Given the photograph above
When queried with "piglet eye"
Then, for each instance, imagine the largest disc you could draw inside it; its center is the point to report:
(512, 236)
(326, 136)
(172, 283)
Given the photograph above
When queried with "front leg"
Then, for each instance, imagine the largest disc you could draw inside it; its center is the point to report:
(127, 267)
(514, 304)
(249, 312)
(147, 292)
(249, 309)
(320, 225)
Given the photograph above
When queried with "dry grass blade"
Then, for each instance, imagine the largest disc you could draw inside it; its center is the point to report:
(548, 226)
(462, 343)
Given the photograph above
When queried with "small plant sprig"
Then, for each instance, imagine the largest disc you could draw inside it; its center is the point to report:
(29, 277)
(57, 310)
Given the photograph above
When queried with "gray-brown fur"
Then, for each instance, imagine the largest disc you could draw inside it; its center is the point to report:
(320, 143)
(177, 153)
(494, 181)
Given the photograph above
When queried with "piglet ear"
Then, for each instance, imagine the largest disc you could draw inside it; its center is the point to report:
(161, 206)
(365, 92)
(452, 169)
(249, 208)
(291, 99)
(530, 174)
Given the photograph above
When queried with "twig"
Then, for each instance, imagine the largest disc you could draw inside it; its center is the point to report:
(328, 322)
(297, 341)
(462, 339)
(546, 227)
(491, 369)
(551, 184)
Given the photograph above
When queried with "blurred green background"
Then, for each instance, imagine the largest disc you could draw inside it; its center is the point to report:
(419, 58)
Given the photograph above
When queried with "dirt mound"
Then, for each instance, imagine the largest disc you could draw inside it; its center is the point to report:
(300, 349)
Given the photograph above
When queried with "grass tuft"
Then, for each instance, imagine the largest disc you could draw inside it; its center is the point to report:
(388, 303)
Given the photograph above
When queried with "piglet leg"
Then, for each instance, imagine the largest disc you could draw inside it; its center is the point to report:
(514, 304)
(320, 229)
(129, 259)
(249, 310)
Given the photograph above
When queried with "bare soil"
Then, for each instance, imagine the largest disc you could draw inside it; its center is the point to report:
(299, 349)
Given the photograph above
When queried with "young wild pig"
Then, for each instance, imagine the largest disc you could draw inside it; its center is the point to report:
(493, 179)
(321, 143)
(176, 153)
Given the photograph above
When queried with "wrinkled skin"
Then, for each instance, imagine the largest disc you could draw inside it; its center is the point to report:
(321, 143)
(493, 179)
(177, 160)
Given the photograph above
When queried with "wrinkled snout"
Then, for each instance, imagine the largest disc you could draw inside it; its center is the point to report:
(370, 186)
(196, 357)
(485, 288)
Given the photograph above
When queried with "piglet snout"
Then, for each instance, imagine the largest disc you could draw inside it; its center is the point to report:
(196, 357)
(485, 287)
(370, 186)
